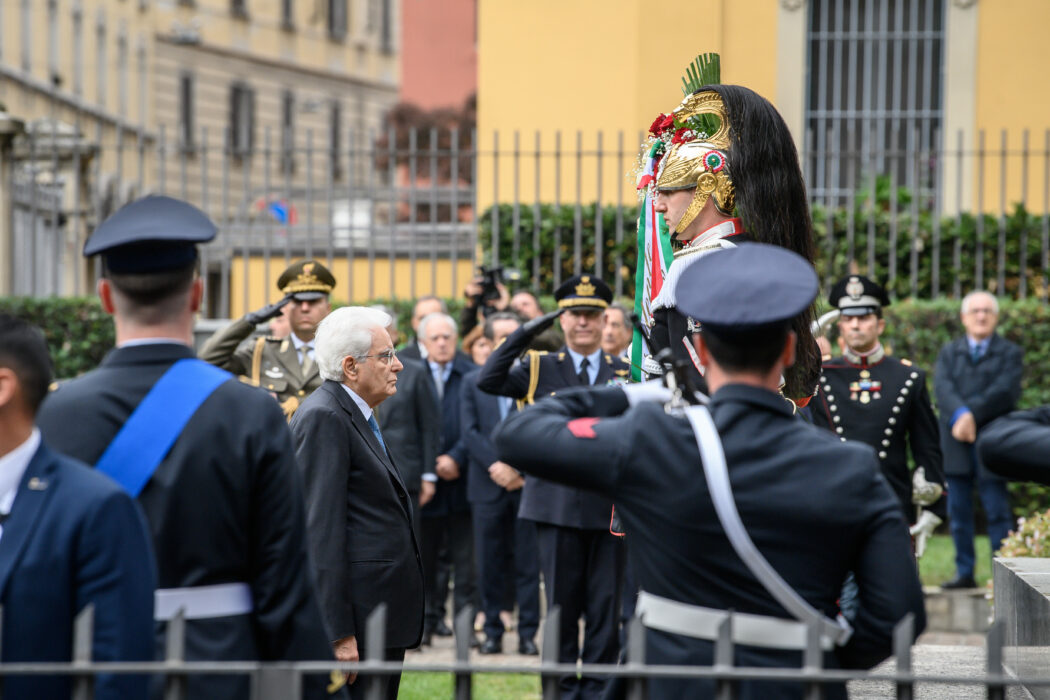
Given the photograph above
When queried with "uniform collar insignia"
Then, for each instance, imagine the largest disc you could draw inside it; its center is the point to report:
(866, 360)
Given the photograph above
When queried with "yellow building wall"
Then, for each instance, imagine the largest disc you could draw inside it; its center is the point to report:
(352, 283)
(1012, 52)
(589, 66)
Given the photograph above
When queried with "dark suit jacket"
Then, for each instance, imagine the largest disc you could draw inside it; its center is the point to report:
(224, 506)
(411, 351)
(989, 388)
(451, 496)
(74, 538)
(359, 521)
(542, 500)
(1017, 445)
(411, 423)
(815, 507)
(481, 415)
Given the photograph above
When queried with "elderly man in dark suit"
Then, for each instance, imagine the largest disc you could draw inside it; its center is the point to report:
(446, 518)
(977, 379)
(358, 508)
(506, 545)
(69, 538)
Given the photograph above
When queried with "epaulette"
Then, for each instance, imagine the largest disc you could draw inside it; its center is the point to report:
(621, 372)
(906, 363)
(561, 356)
(541, 352)
(608, 359)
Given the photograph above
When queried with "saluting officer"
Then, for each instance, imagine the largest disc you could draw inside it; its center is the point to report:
(209, 459)
(581, 561)
(812, 506)
(283, 366)
(880, 400)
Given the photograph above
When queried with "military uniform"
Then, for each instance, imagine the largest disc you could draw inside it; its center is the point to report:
(881, 401)
(275, 364)
(224, 506)
(582, 563)
(814, 506)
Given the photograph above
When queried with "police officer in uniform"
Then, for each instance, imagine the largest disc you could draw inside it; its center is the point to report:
(867, 395)
(221, 497)
(283, 366)
(581, 561)
(814, 507)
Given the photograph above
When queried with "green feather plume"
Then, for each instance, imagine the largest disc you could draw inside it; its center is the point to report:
(706, 69)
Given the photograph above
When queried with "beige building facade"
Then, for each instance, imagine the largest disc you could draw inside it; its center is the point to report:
(247, 108)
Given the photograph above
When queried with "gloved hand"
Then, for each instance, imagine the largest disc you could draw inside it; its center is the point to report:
(538, 325)
(267, 312)
(641, 392)
(922, 530)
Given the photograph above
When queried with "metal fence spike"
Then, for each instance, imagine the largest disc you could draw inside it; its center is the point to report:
(464, 624)
(903, 636)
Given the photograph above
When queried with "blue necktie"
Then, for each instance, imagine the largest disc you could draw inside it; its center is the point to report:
(375, 431)
(976, 353)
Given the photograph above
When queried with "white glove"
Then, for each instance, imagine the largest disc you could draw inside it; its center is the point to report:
(922, 530)
(653, 391)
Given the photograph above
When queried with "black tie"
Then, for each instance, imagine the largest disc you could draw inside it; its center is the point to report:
(585, 378)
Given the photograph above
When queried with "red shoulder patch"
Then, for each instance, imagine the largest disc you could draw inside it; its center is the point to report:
(583, 427)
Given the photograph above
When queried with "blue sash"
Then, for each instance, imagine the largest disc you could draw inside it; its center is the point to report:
(158, 420)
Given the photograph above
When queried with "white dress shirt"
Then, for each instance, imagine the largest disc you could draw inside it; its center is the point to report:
(365, 408)
(592, 363)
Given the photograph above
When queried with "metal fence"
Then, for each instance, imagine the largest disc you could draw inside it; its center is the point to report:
(283, 680)
(396, 218)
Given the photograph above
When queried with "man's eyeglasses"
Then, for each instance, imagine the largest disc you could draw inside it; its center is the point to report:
(386, 357)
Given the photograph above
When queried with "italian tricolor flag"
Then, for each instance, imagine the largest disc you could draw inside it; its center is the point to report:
(654, 248)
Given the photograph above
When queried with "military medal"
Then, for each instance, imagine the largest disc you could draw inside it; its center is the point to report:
(866, 389)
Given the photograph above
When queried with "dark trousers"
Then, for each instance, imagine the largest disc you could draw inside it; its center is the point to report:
(583, 574)
(506, 548)
(996, 504)
(457, 529)
(359, 688)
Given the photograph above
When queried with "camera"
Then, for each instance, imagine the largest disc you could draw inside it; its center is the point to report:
(491, 277)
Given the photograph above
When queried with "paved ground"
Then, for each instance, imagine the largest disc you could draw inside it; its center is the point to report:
(936, 654)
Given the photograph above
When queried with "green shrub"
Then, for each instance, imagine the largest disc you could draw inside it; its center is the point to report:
(78, 332)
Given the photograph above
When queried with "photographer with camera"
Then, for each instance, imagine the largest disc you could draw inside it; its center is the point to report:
(485, 294)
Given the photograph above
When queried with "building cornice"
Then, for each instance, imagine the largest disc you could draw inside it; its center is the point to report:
(279, 64)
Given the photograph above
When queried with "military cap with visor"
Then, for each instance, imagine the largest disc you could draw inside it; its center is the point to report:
(583, 292)
(856, 295)
(306, 280)
(152, 234)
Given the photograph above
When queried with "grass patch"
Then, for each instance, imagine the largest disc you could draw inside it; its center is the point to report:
(938, 563)
(487, 686)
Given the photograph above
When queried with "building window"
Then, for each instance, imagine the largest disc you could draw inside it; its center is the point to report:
(335, 130)
(875, 94)
(337, 19)
(287, 14)
(242, 119)
(239, 8)
(386, 26)
(287, 132)
(186, 112)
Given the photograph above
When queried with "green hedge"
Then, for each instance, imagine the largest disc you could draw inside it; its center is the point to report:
(79, 334)
(1022, 231)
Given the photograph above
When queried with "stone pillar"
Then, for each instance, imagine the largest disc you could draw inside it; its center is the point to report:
(9, 129)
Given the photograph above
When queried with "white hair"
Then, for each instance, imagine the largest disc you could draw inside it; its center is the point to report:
(346, 332)
(972, 295)
(436, 316)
